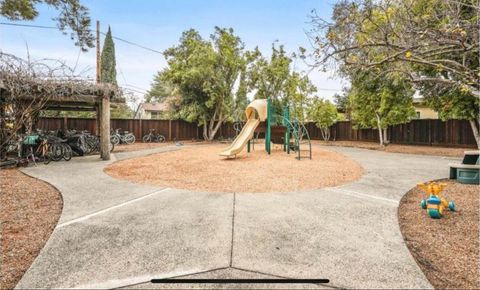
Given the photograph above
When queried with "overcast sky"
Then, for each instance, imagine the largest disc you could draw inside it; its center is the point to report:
(158, 24)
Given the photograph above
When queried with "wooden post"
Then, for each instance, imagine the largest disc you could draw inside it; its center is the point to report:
(98, 118)
(430, 132)
(176, 130)
(65, 124)
(98, 53)
(169, 130)
(105, 128)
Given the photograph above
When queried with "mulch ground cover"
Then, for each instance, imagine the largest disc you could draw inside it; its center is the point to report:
(446, 249)
(396, 148)
(30, 210)
(201, 168)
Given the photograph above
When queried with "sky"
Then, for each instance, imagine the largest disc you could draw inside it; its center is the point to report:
(158, 24)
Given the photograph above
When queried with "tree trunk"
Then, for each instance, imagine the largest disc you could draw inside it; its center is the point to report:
(205, 131)
(476, 130)
(213, 128)
(325, 133)
(385, 136)
(379, 126)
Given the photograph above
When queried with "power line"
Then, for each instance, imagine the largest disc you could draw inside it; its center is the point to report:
(103, 33)
(134, 44)
(28, 25)
(119, 39)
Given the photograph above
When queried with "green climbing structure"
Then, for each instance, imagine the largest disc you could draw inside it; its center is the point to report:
(294, 129)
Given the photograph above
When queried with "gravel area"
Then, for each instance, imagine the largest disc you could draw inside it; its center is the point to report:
(30, 211)
(200, 168)
(396, 148)
(447, 249)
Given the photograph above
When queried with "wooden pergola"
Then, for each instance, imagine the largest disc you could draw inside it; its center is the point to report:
(85, 97)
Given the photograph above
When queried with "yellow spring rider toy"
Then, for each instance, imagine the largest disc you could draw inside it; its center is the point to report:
(435, 204)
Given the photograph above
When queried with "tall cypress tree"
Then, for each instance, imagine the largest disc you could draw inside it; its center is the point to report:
(108, 72)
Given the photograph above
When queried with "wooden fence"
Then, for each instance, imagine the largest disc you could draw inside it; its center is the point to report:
(452, 133)
(431, 132)
(171, 129)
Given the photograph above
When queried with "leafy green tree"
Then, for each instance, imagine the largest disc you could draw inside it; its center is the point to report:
(269, 77)
(324, 114)
(204, 73)
(433, 43)
(108, 71)
(343, 103)
(298, 94)
(453, 104)
(273, 78)
(378, 102)
(72, 15)
(160, 90)
(121, 111)
(69, 114)
(241, 101)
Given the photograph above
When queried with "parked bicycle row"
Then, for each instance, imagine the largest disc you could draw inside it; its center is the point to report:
(46, 146)
(124, 137)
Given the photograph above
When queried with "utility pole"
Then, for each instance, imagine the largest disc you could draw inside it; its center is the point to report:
(98, 53)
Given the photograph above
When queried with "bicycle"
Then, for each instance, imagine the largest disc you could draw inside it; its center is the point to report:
(152, 137)
(126, 137)
(52, 148)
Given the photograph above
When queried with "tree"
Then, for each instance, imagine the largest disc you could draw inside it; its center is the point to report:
(121, 111)
(298, 94)
(324, 114)
(380, 101)
(204, 73)
(453, 104)
(108, 72)
(343, 104)
(72, 15)
(269, 77)
(434, 42)
(275, 79)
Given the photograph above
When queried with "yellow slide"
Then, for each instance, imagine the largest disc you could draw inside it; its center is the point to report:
(260, 108)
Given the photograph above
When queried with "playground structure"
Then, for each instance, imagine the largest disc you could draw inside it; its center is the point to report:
(278, 129)
(435, 204)
(467, 172)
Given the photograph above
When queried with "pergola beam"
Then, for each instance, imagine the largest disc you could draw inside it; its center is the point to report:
(68, 108)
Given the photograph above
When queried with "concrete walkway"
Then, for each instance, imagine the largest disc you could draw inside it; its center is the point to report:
(114, 233)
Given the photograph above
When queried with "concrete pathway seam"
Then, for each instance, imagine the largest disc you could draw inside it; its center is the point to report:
(282, 277)
(173, 277)
(393, 202)
(85, 217)
(233, 229)
(128, 282)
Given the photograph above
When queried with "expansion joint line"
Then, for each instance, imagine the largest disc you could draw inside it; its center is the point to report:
(85, 217)
(233, 229)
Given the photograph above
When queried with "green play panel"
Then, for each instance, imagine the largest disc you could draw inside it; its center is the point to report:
(468, 175)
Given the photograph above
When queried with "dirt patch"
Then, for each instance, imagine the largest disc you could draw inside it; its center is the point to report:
(447, 249)
(30, 211)
(396, 148)
(201, 168)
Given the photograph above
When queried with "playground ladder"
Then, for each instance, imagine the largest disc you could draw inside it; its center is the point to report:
(302, 138)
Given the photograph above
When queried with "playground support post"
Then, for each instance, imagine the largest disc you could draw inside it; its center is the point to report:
(286, 141)
(268, 131)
